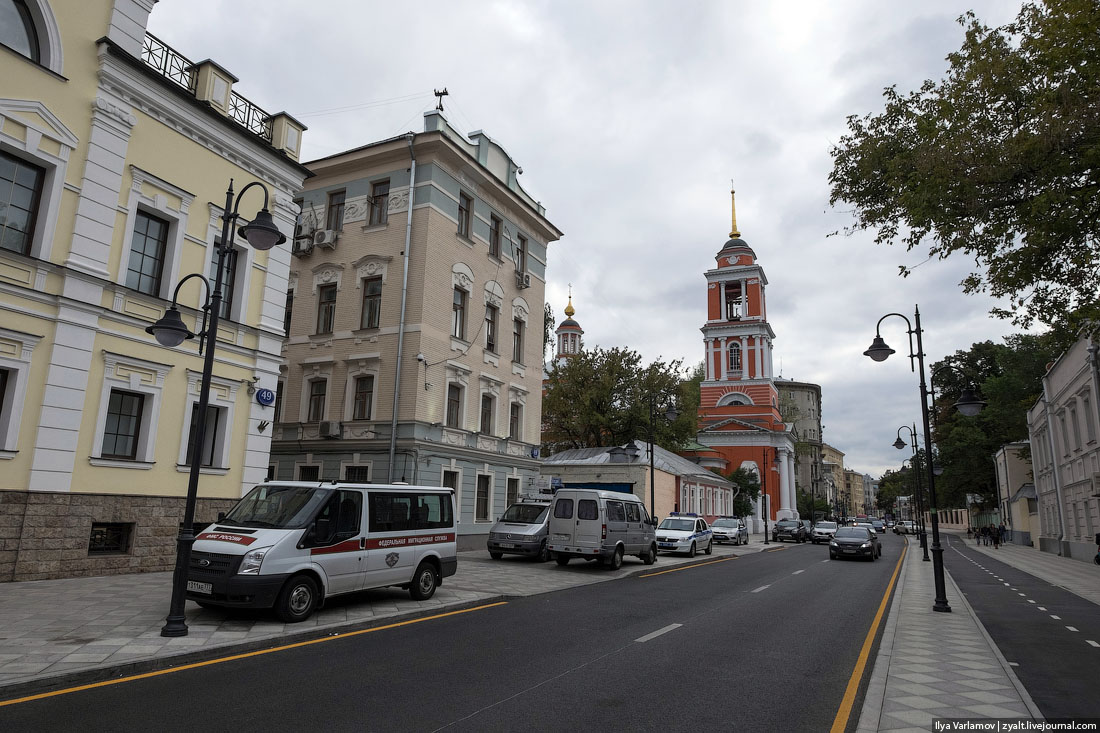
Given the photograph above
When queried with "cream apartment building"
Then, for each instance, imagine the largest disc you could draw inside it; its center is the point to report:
(415, 321)
(115, 154)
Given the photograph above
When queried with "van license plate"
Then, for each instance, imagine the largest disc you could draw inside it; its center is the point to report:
(562, 537)
(196, 587)
(506, 545)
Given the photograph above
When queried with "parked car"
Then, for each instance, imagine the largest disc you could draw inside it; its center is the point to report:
(593, 524)
(855, 542)
(730, 529)
(823, 532)
(522, 530)
(905, 526)
(684, 533)
(794, 530)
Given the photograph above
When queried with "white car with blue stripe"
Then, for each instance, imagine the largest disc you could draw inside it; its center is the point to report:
(680, 532)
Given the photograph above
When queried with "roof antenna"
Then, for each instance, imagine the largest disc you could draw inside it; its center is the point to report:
(440, 95)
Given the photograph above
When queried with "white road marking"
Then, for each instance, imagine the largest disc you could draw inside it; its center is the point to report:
(658, 632)
(1021, 594)
(1006, 583)
(763, 587)
(1091, 642)
(1056, 618)
(1030, 601)
(1014, 664)
(1071, 628)
(796, 572)
(1042, 608)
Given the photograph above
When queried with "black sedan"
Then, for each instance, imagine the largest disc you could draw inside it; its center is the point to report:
(794, 530)
(854, 542)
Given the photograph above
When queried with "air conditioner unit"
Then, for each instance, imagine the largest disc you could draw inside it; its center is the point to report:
(325, 238)
(302, 247)
(331, 429)
(523, 280)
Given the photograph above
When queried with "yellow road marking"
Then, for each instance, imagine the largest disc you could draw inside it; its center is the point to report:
(209, 662)
(776, 549)
(845, 711)
(689, 567)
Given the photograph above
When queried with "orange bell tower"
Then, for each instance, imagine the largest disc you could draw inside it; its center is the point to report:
(739, 416)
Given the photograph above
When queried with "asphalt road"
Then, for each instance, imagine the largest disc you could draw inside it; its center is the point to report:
(1049, 635)
(762, 642)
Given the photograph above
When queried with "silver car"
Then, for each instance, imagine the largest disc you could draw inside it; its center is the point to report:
(730, 529)
(823, 532)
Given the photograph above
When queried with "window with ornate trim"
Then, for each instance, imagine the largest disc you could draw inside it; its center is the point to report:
(512, 492)
(454, 406)
(372, 302)
(334, 212)
(515, 421)
(483, 498)
(116, 418)
(495, 227)
(488, 407)
(213, 436)
(458, 314)
(326, 308)
(318, 396)
(517, 340)
(309, 473)
(735, 357)
(465, 210)
(288, 314)
(122, 432)
(363, 399)
(357, 474)
(379, 203)
(229, 276)
(148, 249)
(521, 253)
(17, 30)
(492, 314)
(20, 194)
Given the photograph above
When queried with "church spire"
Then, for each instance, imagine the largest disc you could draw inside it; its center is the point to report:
(569, 310)
(734, 234)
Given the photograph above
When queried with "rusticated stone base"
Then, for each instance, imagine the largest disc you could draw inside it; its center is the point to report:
(47, 535)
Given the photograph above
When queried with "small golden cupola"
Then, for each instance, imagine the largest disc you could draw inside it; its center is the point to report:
(569, 332)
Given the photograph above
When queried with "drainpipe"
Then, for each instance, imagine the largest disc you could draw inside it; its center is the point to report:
(1054, 466)
(404, 298)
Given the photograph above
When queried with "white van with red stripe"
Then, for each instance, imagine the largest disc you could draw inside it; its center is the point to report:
(289, 545)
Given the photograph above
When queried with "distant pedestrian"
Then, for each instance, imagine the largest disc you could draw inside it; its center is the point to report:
(1002, 531)
(969, 533)
(994, 537)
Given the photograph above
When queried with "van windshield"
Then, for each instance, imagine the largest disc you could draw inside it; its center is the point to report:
(526, 513)
(281, 507)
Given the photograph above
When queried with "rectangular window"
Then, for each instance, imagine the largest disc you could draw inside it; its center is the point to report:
(487, 414)
(491, 313)
(20, 193)
(278, 411)
(521, 254)
(209, 438)
(514, 421)
(147, 251)
(229, 277)
(402, 512)
(372, 303)
(317, 392)
(357, 474)
(123, 426)
(364, 396)
(495, 225)
(587, 509)
(289, 311)
(465, 206)
(517, 340)
(379, 202)
(454, 405)
(1090, 419)
(458, 315)
(326, 308)
(1076, 428)
(334, 215)
(110, 538)
(563, 508)
(270, 473)
(309, 473)
(481, 509)
(513, 490)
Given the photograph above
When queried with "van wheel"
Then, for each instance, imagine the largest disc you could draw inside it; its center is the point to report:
(562, 559)
(496, 555)
(544, 554)
(424, 582)
(649, 556)
(297, 599)
(691, 552)
(616, 560)
(710, 548)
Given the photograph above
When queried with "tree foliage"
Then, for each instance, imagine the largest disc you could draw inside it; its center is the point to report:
(999, 161)
(599, 398)
(746, 490)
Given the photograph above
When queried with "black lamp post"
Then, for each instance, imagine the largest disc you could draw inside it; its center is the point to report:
(170, 331)
(915, 462)
(879, 351)
(670, 414)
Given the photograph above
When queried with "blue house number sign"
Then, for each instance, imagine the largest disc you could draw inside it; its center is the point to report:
(265, 397)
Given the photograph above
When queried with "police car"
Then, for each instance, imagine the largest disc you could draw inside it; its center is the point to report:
(680, 532)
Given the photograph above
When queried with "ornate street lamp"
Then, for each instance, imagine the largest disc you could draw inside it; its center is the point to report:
(670, 414)
(879, 351)
(915, 463)
(170, 331)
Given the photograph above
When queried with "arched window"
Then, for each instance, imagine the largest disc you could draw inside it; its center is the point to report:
(17, 29)
(735, 357)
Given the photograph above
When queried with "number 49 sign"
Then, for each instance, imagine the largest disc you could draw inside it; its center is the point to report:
(265, 397)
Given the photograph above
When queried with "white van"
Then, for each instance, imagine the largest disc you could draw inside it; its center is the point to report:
(600, 525)
(289, 545)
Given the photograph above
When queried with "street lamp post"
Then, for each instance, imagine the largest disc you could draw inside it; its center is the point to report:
(170, 331)
(879, 351)
(670, 414)
(899, 444)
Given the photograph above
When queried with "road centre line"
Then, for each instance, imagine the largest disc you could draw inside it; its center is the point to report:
(246, 655)
(1056, 618)
(763, 587)
(688, 567)
(796, 572)
(1041, 608)
(1092, 643)
(658, 632)
(840, 722)
(1071, 628)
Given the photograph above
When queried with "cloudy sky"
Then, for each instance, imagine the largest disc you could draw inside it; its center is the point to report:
(630, 118)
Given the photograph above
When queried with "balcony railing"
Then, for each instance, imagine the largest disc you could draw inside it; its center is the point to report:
(177, 68)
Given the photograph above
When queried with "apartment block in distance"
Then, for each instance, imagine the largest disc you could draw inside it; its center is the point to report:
(415, 321)
(115, 155)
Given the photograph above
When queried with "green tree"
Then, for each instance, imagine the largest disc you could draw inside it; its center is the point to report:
(999, 161)
(820, 505)
(599, 398)
(746, 490)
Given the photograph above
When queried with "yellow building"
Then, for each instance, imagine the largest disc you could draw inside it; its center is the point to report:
(115, 155)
